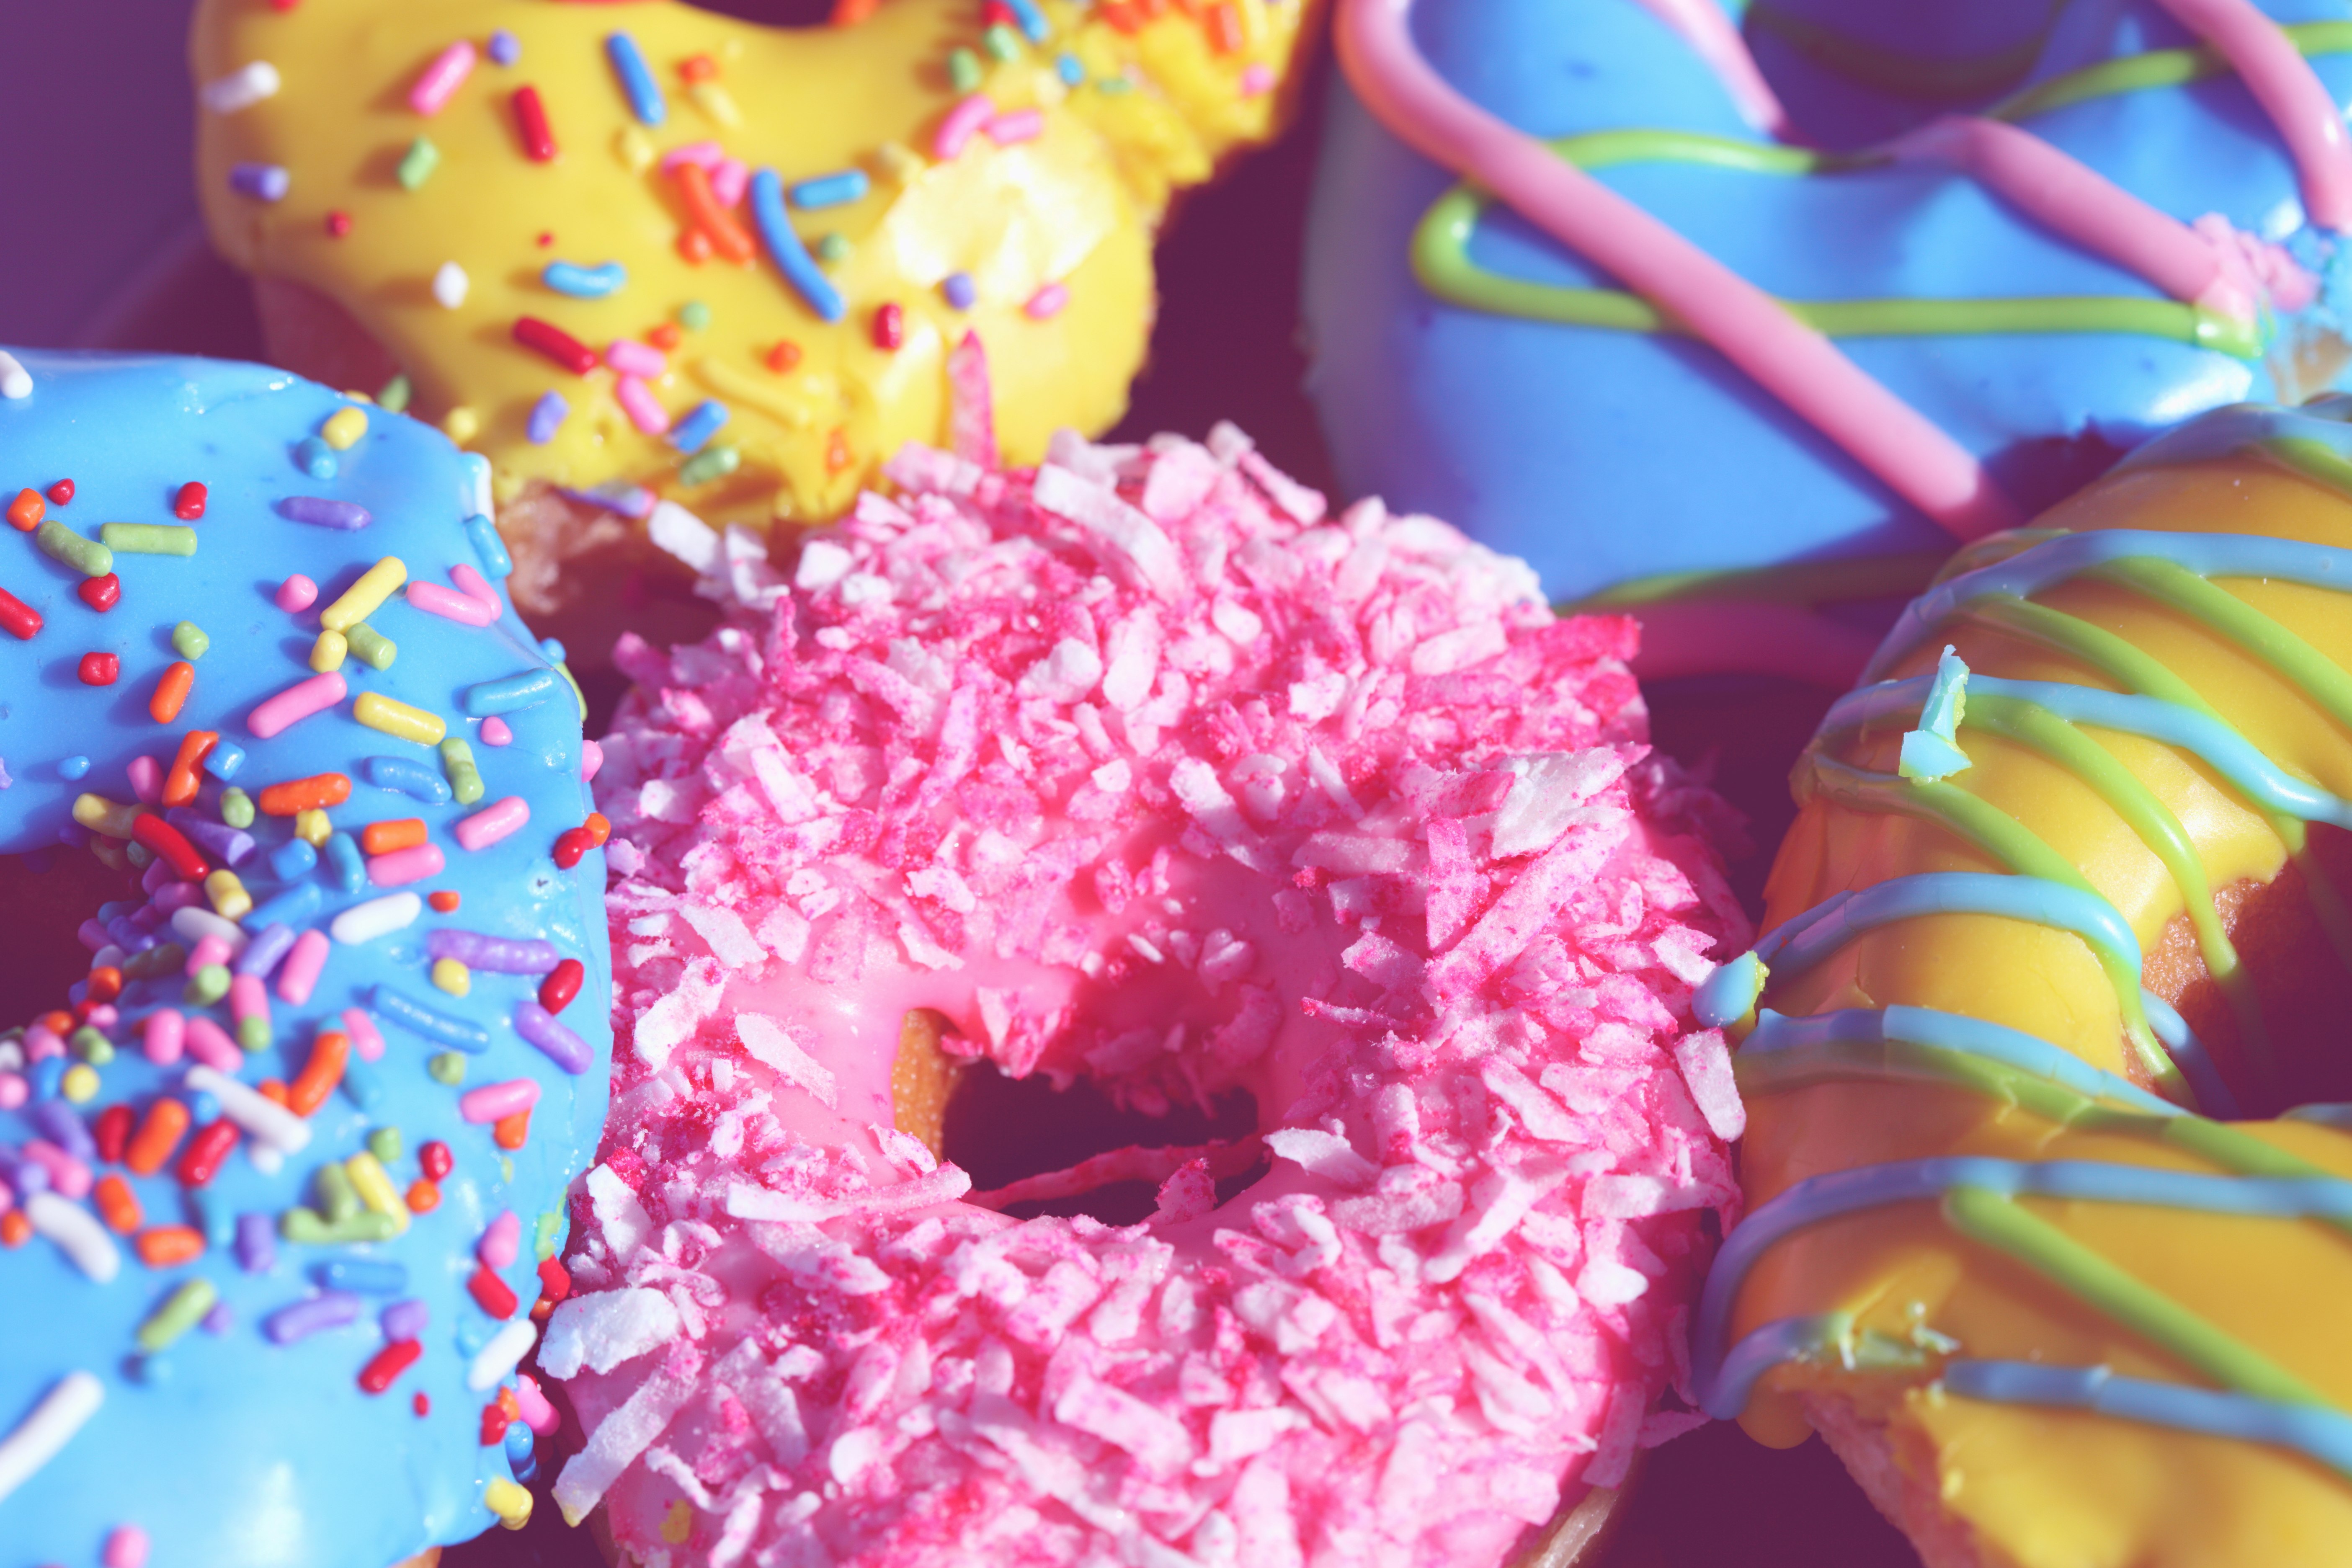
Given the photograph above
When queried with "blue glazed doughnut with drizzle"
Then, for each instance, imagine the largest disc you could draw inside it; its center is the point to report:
(281, 1180)
(1743, 315)
(2049, 1157)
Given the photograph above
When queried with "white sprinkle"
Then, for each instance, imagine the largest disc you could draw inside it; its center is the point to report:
(268, 1120)
(78, 1233)
(674, 529)
(196, 924)
(377, 917)
(15, 381)
(823, 563)
(60, 1414)
(242, 88)
(449, 286)
(500, 1356)
(603, 1329)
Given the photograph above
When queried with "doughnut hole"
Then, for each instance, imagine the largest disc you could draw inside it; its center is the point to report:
(43, 955)
(774, 13)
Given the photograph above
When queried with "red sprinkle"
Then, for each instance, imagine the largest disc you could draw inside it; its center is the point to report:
(338, 223)
(445, 900)
(389, 1363)
(546, 238)
(189, 504)
(421, 1404)
(201, 1160)
(99, 668)
(495, 1423)
(101, 593)
(556, 343)
(889, 327)
(111, 1133)
(435, 1161)
(25, 513)
(531, 118)
(570, 845)
(561, 984)
(496, 1296)
(21, 619)
(62, 492)
(554, 1282)
(169, 843)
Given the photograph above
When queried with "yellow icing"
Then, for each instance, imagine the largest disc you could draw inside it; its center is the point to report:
(2044, 1488)
(1076, 207)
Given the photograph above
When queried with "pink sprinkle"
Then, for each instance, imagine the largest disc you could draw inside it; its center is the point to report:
(301, 700)
(492, 823)
(1256, 80)
(592, 758)
(496, 732)
(211, 948)
(471, 583)
(248, 998)
(637, 401)
(442, 79)
(728, 181)
(14, 1092)
(365, 1037)
(210, 1046)
(1021, 125)
(101, 1017)
(707, 154)
(502, 1241)
(495, 1101)
(1046, 302)
(961, 121)
(41, 1043)
(403, 867)
(126, 1548)
(631, 357)
(299, 975)
(69, 1175)
(448, 603)
(537, 1412)
(297, 594)
(146, 776)
(165, 1032)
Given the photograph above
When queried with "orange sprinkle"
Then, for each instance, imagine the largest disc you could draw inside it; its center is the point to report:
(25, 513)
(1224, 29)
(305, 794)
(512, 1132)
(698, 68)
(161, 1246)
(180, 784)
(784, 355)
(836, 452)
(328, 1053)
(702, 208)
(383, 837)
(509, 1403)
(15, 1228)
(694, 245)
(599, 829)
(157, 1136)
(171, 691)
(105, 984)
(271, 1089)
(1121, 16)
(60, 1023)
(423, 1196)
(849, 13)
(117, 1203)
(664, 337)
(444, 900)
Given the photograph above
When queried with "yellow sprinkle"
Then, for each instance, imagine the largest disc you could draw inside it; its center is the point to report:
(356, 395)
(327, 653)
(716, 102)
(343, 428)
(461, 425)
(899, 161)
(100, 815)
(511, 1502)
(230, 901)
(452, 976)
(635, 153)
(364, 598)
(312, 827)
(376, 1189)
(679, 1523)
(506, 487)
(398, 720)
(80, 1084)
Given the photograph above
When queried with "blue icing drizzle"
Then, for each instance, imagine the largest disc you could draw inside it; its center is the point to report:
(228, 1446)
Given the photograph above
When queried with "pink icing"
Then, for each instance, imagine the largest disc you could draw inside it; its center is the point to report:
(1136, 770)
(2290, 92)
(1715, 38)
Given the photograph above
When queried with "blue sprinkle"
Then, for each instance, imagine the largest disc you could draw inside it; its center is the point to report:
(345, 863)
(202, 1107)
(645, 94)
(505, 47)
(585, 282)
(1071, 72)
(73, 767)
(786, 250)
(75, 992)
(49, 1076)
(419, 1019)
(223, 761)
(472, 1335)
(518, 1445)
(633, 502)
(293, 858)
(488, 546)
(831, 190)
(262, 181)
(362, 1086)
(511, 693)
(297, 906)
(1031, 20)
(257, 1243)
(553, 648)
(148, 1370)
(368, 1276)
(403, 777)
(691, 434)
(477, 474)
(547, 416)
(262, 954)
(957, 289)
(316, 458)
(209, 1213)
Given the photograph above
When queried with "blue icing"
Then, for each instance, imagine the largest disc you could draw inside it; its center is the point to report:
(1603, 455)
(228, 1448)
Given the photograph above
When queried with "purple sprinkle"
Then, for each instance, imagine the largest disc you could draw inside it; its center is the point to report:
(331, 1310)
(225, 843)
(263, 182)
(505, 47)
(257, 1243)
(178, 896)
(64, 1126)
(496, 954)
(27, 1177)
(123, 933)
(320, 512)
(220, 1320)
(564, 1049)
(262, 954)
(957, 286)
(405, 1321)
(547, 416)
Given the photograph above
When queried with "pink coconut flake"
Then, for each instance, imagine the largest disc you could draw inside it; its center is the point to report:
(1140, 767)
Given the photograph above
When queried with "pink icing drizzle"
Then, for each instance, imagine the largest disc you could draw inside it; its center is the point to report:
(2290, 92)
(1708, 29)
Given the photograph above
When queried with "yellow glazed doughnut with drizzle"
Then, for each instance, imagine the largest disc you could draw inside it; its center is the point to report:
(2059, 925)
(642, 251)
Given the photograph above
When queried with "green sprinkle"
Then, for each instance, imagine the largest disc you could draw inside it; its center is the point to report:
(93, 1047)
(1001, 42)
(165, 959)
(306, 1228)
(711, 463)
(61, 543)
(337, 1197)
(237, 807)
(386, 1144)
(964, 70)
(565, 670)
(182, 1310)
(830, 247)
(550, 1232)
(207, 985)
(253, 1033)
(147, 538)
(447, 1066)
(394, 398)
(417, 163)
(371, 646)
(506, 1169)
(457, 763)
(188, 640)
(694, 315)
(1114, 85)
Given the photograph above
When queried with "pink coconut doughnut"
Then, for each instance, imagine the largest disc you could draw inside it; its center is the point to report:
(1135, 768)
